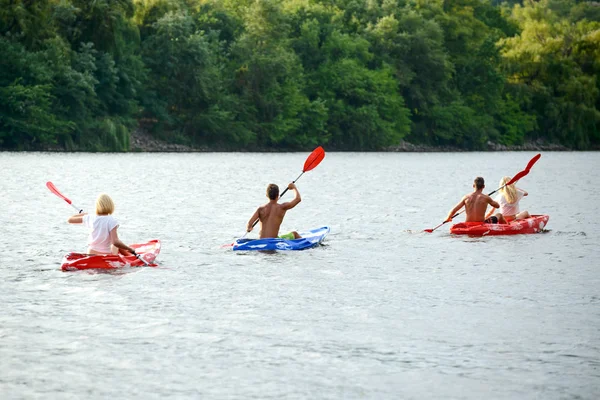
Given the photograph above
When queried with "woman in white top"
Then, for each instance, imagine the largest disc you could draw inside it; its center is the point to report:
(509, 198)
(103, 226)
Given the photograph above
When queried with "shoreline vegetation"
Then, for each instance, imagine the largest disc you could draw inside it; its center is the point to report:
(288, 75)
(143, 142)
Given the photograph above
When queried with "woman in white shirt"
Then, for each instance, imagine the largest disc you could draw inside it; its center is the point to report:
(103, 226)
(509, 198)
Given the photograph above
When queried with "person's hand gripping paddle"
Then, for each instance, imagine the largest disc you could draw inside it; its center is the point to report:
(54, 190)
(513, 180)
(311, 162)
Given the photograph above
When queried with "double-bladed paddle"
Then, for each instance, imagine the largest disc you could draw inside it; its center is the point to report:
(513, 180)
(311, 162)
(54, 190)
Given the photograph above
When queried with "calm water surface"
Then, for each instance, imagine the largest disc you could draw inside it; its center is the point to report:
(382, 310)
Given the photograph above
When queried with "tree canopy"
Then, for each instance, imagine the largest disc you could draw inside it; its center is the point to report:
(291, 74)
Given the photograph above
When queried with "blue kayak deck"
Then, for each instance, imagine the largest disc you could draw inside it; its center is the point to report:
(310, 238)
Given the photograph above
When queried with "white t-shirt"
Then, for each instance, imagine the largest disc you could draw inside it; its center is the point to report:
(100, 227)
(506, 208)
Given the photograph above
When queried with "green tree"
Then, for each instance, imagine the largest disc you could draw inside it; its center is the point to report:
(553, 58)
(190, 94)
(270, 82)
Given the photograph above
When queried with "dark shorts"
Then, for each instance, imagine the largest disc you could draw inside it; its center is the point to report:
(491, 220)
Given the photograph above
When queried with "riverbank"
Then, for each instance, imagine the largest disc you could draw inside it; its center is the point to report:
(142, 141)
(531, 146)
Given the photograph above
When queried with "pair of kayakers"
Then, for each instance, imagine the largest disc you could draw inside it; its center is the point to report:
(103, 238)
(507, 203)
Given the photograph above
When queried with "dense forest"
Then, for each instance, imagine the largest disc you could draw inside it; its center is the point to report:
(291, 74)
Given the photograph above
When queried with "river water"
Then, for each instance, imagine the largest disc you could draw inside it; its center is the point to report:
(382, 310)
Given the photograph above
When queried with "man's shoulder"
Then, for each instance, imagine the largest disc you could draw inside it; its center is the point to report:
(281, 207)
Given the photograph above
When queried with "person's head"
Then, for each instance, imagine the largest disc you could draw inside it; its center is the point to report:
(479, 183)
(273, 191)
(510, 191)
(104, 205)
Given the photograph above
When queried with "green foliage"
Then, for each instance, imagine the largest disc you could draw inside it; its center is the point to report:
(27, 117)
(293, 74)
(270, 82)
(188, 91)
(557, 61)
(366, 110)
(513, 123)
(109, 135)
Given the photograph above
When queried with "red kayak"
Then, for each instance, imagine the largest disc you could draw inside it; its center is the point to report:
(148, 251)
(533, 224)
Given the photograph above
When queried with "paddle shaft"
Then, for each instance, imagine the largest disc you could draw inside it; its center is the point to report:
(79, 210)
(287, 188)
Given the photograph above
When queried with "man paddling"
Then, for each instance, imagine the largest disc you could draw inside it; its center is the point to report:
(271, 214)
(475, 205)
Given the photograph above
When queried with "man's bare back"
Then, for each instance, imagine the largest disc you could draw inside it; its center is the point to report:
(271, 214)
(475, 203)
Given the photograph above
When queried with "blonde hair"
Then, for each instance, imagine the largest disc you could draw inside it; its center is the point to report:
(510, 191)
(104, 205)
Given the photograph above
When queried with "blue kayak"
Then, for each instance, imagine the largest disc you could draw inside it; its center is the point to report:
(309, 239)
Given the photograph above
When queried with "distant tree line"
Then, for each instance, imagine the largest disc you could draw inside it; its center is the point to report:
(291, 74)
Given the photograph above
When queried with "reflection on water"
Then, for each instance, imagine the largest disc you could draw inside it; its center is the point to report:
(382, 310)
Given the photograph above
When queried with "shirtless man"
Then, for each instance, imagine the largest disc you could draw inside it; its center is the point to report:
(475, 204)
(271, 214)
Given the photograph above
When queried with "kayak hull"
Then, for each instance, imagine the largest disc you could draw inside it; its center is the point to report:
(79, 261)
(309, 239)
(533, 224)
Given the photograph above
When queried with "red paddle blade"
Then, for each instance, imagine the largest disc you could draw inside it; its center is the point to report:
(314, 159)
(428, 230)
(54, 190)
(517, 177)
(525, 171)
(532, 161)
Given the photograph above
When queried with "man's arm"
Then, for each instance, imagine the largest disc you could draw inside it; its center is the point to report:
(252, 220)
(492, 202)
(76, 219)
(460, 205)
(494, 205)
(297, 199)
